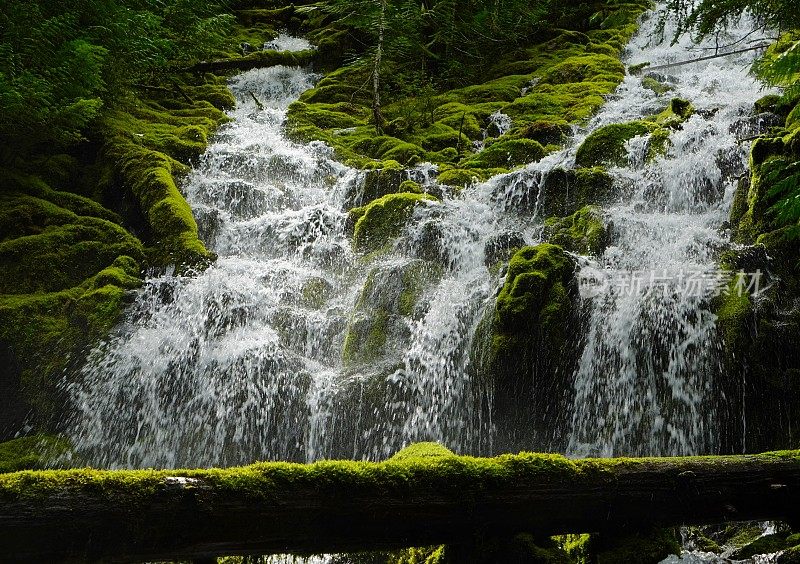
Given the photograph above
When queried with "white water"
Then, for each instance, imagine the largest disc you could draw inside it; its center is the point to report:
(244, 361)
(645, 384)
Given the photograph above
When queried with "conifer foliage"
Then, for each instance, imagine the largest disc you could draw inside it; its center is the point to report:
(60, 62)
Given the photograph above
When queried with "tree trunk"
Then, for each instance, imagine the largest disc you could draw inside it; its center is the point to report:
(377, 115)
(89, 515)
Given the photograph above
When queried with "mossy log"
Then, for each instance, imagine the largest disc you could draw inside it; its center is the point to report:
(255, 60)
(89, 515)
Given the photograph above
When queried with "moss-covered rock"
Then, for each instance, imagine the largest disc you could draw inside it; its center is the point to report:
(50, 248)
(457, 177)
(47, 333)
(534, 336)
(507, 153)
(377, 223)
(567, 191)
(379, 322)
(583, 232)
(143, 149)
(766, 544)
(34, 452)
(638, 548)
(606, 145)
(654, 85)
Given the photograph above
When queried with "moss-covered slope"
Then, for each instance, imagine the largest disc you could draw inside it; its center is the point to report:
(542, 87)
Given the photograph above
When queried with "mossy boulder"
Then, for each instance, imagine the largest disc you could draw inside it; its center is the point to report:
(606, 145)
(568, 190)
(546, 132)
(534, 333)
(507, 153)
(767, 544)
(48, 334)
(583, 232)
(380, 221)
(379, 323)
(378, 183)
(459, 178)
(62, 251)
(654, 85)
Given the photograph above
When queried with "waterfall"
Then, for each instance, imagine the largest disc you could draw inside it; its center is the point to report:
(248, 359)
(645, 382)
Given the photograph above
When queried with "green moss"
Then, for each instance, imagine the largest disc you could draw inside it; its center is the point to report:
(146, 145)
(51, 331)
(383, 219)
(507, 153)
(766, 103)
(315, 293)
(583, 232)
(424, 555)
(561, 80)
(535, 286)
(658, 144)
(585, 68)
(643, 548)
(606, 145)
(457, 177)
(33, 452)
(50, 248)
(766, 544)
(577, 546)
(410, 187)
(656, 86)
(386, 303)
(678, 111)
(733, 311)
(421, 451)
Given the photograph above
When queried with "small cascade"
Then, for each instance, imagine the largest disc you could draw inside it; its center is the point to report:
(293, 347)
(498, 125)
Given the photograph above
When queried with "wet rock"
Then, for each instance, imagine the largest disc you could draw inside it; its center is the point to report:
(534, 334)
(567, 191)
(755, 125)
(661, 77)
(376, 183)
(499, 247)
(379, 325)
(209, 222)
(731, 164)
(12, 404)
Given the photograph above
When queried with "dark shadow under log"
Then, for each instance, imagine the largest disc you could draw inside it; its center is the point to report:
(89, 515)
(255, 60)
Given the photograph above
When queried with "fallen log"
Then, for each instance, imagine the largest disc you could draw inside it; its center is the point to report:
(91, 515)
(638, 69)
(255, 60)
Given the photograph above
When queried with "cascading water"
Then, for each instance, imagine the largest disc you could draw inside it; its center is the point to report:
(245, 361)
(645, 382)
